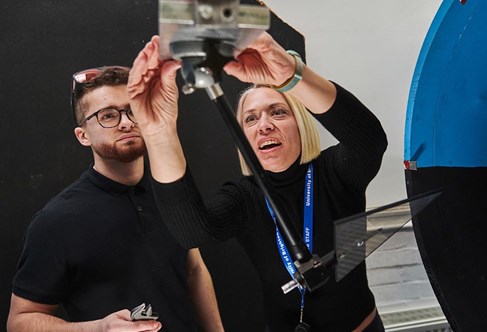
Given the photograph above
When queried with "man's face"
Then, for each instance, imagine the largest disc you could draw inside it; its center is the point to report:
(122, 143)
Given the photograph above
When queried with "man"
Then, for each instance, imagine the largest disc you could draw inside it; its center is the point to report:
(100, 246)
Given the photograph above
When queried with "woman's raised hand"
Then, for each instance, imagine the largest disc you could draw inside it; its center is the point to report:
(262, 62)
(152, 89)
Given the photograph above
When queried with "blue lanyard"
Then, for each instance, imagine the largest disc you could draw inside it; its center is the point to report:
(307, 228)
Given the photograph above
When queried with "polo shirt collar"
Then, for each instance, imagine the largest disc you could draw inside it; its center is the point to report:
(116, 188)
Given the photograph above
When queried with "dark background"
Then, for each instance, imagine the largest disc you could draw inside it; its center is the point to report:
(451, 240)
(41, 44)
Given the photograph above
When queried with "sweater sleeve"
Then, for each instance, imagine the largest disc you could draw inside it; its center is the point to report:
(194, 222)
(362, 140)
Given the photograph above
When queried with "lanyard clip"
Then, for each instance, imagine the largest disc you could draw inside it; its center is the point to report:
(312, 274)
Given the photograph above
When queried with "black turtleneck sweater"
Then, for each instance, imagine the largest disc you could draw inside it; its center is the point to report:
(341, 175)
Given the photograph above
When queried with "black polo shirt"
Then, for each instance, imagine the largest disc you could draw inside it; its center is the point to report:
(100, 246)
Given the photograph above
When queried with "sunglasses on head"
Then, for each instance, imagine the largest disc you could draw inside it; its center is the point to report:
(83, 77)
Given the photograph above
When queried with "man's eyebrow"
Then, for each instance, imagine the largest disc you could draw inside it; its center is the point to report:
(112, 106)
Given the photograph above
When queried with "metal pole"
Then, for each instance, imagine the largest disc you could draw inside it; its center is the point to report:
(295, 245)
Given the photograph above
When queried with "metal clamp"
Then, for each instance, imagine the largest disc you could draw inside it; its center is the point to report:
(143, 312)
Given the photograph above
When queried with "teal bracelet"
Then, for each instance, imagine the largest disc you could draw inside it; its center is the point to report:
(298, 74)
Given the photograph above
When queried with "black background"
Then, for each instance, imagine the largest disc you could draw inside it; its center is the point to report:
(41, 44)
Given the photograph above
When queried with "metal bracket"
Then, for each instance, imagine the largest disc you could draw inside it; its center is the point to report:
(143, 312)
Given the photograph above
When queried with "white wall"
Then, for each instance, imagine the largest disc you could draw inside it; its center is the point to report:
(370, 47)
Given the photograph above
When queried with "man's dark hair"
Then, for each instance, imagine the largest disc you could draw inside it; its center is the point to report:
(109, 76)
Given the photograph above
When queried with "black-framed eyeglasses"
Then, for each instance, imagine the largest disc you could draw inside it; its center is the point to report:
(80, 79)
(110, 117)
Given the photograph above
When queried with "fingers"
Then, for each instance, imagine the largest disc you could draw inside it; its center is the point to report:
(146, 326)
(237, 68)
(168, 71)
(154, 53)
(259, 43)
(234, 68)
(168, 88)
(153, 63)
(264, 61)
(144, 67)
(121, 321)
(247, 67)
(135, 75)
(124, 314)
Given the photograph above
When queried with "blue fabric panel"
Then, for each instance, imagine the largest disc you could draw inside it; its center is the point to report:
(446, 120)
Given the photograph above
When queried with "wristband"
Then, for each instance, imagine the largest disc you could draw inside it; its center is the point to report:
(298, 74)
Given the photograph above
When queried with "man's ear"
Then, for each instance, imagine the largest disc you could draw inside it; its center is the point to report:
(82, 137)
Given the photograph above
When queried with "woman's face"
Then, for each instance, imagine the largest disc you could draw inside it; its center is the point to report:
(270, 127)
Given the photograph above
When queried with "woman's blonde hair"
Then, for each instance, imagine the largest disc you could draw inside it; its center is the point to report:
(310, 140)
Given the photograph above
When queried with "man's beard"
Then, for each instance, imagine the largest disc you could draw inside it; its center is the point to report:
(128, 153)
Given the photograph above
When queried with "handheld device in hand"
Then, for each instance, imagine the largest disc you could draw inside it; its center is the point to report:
(143, 312)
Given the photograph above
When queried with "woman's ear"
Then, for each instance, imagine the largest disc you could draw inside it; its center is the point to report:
(82, 136)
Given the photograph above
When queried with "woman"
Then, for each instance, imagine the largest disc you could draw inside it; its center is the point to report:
(281, 131)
